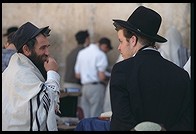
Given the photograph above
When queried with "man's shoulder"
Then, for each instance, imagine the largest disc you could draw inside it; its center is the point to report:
(8, 52)
(124, 63)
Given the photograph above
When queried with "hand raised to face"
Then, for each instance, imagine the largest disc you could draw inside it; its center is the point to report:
(51, 64)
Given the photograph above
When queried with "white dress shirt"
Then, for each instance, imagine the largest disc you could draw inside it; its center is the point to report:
(89, 61)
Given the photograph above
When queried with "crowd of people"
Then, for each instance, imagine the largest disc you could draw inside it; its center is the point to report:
(143, 85)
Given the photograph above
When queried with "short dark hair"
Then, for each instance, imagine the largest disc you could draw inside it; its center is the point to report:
(126, 33)
(81, 36)
(105, 40)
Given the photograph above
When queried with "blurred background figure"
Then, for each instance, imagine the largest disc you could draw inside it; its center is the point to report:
(107, 103)
(10, 30)
(105, 44)
(82, 38)
(173, 49)
(91, 65)
(106, 47)
(8, 48)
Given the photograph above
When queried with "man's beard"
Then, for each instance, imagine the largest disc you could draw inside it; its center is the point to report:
(39, 60)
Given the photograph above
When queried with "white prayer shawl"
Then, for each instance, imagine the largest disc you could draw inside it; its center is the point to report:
(28, 101)
(173, 49)
(187, 66)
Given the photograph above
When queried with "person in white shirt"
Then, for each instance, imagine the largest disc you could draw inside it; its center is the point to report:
(30, 83)
(91, 64)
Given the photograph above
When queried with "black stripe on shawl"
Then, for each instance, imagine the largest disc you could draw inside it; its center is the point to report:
(38, 104)
(46, 103)
(31, 115)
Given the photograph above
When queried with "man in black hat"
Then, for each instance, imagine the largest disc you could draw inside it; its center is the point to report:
(145, 86)
(10, 30)
(29, 99)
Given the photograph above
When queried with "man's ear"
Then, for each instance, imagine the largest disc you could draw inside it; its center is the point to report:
(26, 50)
(133, 40)
(6, 45)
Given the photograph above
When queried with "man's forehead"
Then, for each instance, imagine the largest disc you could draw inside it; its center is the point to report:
(42, 40)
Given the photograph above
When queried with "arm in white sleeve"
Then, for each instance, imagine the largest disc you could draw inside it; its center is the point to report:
(53, 80)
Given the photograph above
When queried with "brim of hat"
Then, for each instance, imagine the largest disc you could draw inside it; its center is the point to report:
(6, 34)
(39, 31)
(130, 27)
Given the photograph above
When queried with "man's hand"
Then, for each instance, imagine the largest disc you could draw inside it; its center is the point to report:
(51, 64)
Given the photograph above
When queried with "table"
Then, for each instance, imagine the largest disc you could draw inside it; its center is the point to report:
(65, 94)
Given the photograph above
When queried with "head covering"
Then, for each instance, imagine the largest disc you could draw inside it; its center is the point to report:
(145, 22)
(26, 32)
(81, 36)
(10, 38)
(105, 40)
(10, 30)
(174, 50)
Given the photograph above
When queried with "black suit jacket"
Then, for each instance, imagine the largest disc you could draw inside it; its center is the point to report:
(148, 87)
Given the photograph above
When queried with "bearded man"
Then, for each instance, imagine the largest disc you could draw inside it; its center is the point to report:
(30, 84)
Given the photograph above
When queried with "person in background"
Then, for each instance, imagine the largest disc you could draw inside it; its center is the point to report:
(105, 46)
(70, 81)
(83, 40)
(174, 50)
(10, 30)
(8, 48)
(91, 64)
(145, 86)
(29, 101)
(107, 103)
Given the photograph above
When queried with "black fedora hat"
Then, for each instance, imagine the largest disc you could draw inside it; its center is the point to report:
(26, 32)
(145, 22)
(10, 30)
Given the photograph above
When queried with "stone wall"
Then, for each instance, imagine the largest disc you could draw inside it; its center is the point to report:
(65, 19)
